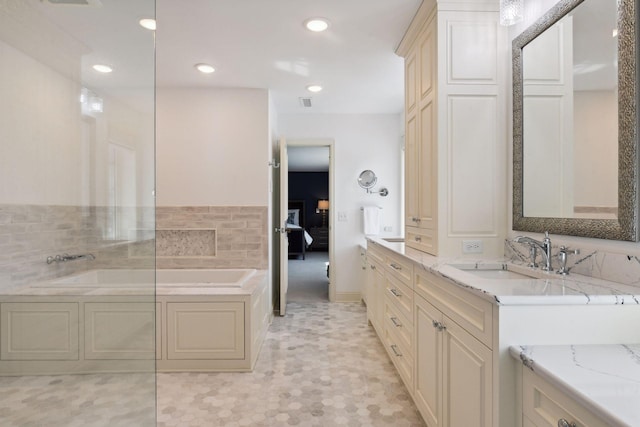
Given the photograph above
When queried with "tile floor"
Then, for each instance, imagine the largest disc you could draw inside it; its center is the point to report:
(321, 365)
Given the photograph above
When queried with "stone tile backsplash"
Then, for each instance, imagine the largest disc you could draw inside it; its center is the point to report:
(592, 262)
(184, 237)
(31, 233)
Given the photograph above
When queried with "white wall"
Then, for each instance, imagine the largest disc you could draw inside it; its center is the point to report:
(212, 147)
(361, 142)
(533, 10)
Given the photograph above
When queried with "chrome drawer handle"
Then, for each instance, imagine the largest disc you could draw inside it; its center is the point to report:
(396, 267)
(418, 239)
(395, 292)
(564, 423)
(394, 348)
(395, 322)
(373, 267)
(438, 325)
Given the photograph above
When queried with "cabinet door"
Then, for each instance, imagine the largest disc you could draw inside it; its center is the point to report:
(467, 377)
(205, 330)
(428, 362)
(39, 331)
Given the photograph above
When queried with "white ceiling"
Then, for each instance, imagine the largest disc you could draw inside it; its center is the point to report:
(252, 44)
(263, 44)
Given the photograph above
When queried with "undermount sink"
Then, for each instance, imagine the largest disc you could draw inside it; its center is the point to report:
(393, 239)
(494, 271)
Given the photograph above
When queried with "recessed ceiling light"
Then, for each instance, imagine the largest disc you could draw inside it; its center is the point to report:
(314, 88)
(316, 24)
(148, 23)
(205, 68)
(101, 68)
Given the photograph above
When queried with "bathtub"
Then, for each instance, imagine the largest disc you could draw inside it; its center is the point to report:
(199, 278)
(187, 320)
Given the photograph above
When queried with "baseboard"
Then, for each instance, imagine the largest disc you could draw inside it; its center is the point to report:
(348, 296)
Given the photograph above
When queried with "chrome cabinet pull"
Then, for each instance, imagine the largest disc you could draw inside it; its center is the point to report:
(396, 266)
(394, 348)
(418, 239)
(395, 292)
(395, 322)
(373, 267)
(438, 325)
(564, 423)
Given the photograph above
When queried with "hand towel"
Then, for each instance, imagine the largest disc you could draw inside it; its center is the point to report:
(371, 220)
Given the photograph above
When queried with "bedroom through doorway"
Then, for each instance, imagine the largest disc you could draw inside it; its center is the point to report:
(308, 223)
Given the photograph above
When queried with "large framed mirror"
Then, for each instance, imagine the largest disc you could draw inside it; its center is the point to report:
(575, 123)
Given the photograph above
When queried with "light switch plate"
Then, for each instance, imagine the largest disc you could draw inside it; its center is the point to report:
(342, 216)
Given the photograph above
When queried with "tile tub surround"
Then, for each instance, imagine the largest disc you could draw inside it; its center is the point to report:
(240, 232)
(31, 233)
(604, 378)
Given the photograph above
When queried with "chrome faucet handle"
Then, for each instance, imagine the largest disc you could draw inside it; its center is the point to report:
(533, 253)
(563, 253)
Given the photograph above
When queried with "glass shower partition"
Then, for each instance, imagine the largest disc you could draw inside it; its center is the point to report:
(77, 213)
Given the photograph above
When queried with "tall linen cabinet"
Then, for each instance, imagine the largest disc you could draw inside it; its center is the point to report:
(455, 128)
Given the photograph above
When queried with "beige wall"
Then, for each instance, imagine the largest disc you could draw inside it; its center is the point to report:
(212, 147)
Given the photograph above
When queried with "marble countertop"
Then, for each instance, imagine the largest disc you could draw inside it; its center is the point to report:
(543, 289)
(603, 378)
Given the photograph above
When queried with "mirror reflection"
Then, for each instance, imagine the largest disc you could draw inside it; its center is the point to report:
(570, 116)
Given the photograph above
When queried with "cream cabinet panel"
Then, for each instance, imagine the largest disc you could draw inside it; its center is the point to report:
(190, 334)
(544, 405)
(120, 330)
(473, 158)
(469, 311)
(467, 378)
(472, 51)
(428, 361)
(428, 62)
(410, 80)
(420, 239)
(411, 165)
(401, 327)
(39, 331)
(427, 170)
(400, 295)
(400, 356)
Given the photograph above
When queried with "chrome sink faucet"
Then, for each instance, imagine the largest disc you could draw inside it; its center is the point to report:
(545, 245)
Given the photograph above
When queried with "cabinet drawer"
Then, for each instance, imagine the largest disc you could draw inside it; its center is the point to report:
(544, 405)
(396, 323)
(400, 295)
(401, 268)
(374, 254)
(471, 312)
(400, 356)
(420, 239)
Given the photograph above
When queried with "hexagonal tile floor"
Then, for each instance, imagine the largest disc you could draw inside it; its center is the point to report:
(321, 365)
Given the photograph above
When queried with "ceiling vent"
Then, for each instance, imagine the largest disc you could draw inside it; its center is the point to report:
(92, 3)
(305, 102)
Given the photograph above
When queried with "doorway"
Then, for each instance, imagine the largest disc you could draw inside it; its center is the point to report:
(309, 203)
(306, 183)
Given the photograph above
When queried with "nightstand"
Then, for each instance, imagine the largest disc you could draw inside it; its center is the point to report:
(320, 237)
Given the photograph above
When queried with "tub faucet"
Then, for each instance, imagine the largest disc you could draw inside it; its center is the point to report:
(545, 245)
(67, 257)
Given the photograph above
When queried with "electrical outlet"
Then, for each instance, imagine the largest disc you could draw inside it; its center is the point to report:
(472, 246)
(388, 228)
(342, 216)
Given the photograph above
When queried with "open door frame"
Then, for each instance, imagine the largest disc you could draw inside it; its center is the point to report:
(283, 200)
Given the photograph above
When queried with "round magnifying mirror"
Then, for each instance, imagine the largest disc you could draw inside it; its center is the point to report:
(367, 179)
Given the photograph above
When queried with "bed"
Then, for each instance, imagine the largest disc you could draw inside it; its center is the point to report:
(299, 239)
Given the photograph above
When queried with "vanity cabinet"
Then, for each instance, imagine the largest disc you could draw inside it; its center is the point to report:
(375, 287)
(455, 142)
(544, 405)
(453, 368)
